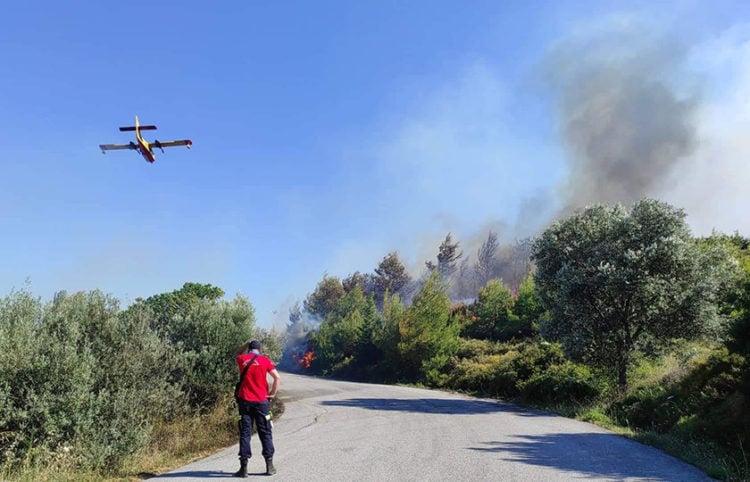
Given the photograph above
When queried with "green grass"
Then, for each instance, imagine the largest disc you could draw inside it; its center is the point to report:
(712, 459)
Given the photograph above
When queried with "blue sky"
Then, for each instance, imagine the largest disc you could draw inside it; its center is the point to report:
(326, 134)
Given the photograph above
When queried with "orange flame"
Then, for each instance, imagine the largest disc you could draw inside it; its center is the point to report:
(305, 360)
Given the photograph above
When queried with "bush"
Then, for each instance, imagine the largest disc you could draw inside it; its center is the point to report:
(707, 402)
(498, 368)
(474, 348)
(437, 370)
(206, 338)
(648, 408)
(536, 357)
(84, 382)
(562, 383)
(716, 391)
(505, 376)
(474, 374)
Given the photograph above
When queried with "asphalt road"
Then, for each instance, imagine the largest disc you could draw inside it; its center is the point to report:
(344, 431)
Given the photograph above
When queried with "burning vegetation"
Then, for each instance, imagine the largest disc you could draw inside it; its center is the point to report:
(305, 360)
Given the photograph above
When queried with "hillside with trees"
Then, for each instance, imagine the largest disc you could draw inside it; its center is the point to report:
(614, 315)
(618, 315)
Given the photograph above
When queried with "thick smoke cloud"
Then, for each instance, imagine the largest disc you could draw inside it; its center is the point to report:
(624, 123)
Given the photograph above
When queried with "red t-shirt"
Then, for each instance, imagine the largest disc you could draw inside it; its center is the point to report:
(254, 387)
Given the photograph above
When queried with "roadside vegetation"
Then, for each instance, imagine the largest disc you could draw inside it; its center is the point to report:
(89, 391)
(617, 316)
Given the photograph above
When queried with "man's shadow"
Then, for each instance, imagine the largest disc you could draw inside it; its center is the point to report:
(198, 474)
(203, 474)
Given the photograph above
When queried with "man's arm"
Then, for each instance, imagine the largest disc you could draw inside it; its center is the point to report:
(244, 348)
(276, 383)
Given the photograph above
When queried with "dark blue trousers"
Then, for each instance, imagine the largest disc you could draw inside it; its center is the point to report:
(258, 413)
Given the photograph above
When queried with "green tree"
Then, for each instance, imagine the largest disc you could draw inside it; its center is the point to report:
(425, 332)
(390, 276)
(344, 341)
(387, 336)
(179, 302)
(327, 294)
(357, 279)
(493, 311)
(447, 258)
(528, 307)
(613, 279)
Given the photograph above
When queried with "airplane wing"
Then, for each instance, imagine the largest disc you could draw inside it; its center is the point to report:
(185, 142)
(113, 147)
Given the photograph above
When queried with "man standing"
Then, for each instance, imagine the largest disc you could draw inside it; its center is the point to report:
(254, 403)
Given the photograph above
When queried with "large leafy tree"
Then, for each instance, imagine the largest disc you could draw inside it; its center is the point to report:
(614, 279)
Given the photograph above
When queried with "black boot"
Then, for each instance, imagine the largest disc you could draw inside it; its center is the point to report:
(243, 469)
(270, 469)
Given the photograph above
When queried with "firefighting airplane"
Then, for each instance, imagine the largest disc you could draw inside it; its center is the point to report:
(144, 147)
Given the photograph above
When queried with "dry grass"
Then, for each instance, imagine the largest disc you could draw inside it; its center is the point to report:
(670, 368)
(186, 440)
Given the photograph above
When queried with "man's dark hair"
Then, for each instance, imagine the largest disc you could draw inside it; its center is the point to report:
(255, 345)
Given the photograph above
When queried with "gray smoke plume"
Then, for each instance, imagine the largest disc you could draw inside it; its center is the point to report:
(624, 123)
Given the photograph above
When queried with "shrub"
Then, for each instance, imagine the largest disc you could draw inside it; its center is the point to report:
(84, 382)
(649, 407)
(474, 374)
(436, 370)
(567, 382)
(505, 376)
(707, 402)
(498, 368)
(536, 357)
(207, 338)
(474, 348)
(716, 391)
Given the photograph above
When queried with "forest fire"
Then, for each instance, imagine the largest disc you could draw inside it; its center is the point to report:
(305, 360)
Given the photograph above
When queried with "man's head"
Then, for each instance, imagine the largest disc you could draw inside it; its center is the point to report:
(254, 345)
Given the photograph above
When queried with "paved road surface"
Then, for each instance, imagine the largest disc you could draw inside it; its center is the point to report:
(343, 431)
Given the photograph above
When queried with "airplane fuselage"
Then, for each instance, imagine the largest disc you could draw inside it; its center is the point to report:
(143, 147)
